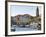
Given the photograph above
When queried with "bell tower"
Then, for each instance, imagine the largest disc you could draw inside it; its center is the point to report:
(37, 11)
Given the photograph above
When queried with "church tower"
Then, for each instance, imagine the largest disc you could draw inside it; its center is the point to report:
(37, 11)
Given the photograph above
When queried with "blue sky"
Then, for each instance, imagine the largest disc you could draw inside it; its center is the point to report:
(21, 9)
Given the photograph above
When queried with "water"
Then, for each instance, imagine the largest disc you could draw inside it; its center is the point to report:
(25, 29)
(29, 28)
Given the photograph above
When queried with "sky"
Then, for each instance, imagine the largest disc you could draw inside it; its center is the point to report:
(23, 9)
